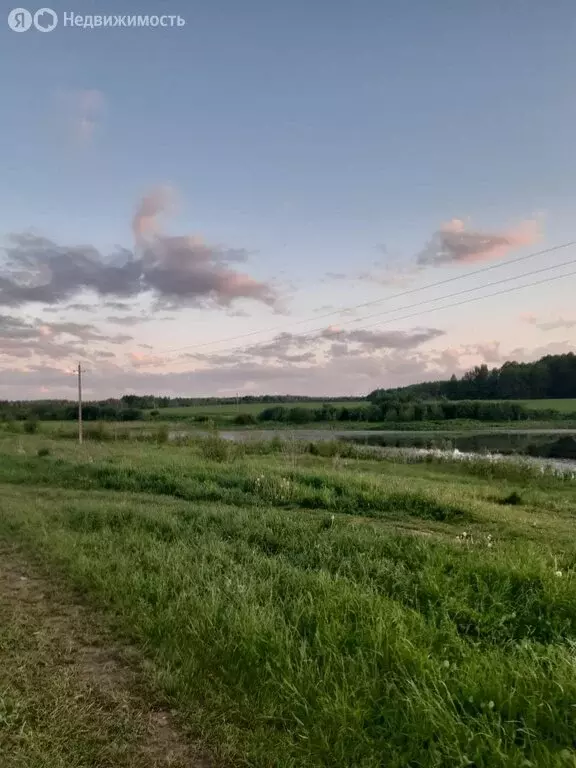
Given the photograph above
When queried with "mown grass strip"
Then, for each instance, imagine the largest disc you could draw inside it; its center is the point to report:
(306, 644)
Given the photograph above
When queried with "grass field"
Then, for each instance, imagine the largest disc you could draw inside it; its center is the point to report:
(225, 414)
(303, 610)
(567, 405)
(229, 411)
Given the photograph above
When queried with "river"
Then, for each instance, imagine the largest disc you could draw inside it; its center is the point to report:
(499, 444)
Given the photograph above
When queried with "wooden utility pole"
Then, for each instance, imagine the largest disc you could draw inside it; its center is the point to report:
(80, 403)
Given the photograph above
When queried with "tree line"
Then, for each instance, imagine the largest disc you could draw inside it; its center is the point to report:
(553, 376)
(146, 402)
(392, 410)
(131, 407)
(63, 410)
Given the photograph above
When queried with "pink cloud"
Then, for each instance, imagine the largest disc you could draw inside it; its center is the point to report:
(455, 244)
(145, 223)
(139, 360)
(552, 324)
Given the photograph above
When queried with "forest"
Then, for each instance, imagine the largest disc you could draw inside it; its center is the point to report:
(553, 376)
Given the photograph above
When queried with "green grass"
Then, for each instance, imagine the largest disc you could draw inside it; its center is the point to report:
(567, 405)
(230, 410)
(310, 610)
(564, 406)
(66, 700)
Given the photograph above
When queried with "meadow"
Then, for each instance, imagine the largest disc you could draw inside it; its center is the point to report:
(563, 405)
(218, 412)
(313, 605)
(232, 409)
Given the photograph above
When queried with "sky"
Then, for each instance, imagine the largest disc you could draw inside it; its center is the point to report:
(285, 198)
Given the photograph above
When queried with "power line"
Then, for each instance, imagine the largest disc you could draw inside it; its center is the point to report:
(448, 296)
(378, 301)
(454, 304)
(460, 293)
(474, 298)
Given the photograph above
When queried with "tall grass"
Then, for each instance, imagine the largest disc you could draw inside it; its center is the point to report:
(292, 625)
(295, 643)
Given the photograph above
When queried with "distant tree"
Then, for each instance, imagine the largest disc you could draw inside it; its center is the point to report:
(298, 415)
(244, 419)
(553, 376)
(130, 414)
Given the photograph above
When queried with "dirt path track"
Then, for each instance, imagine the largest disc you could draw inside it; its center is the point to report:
(70, 696)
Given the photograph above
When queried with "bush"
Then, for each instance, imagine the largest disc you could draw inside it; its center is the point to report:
(162, 435)
(43, 452)
(31, 426)
(130, 414)
(299, 416)
(277, 413)
(244, 419)
(214, 448)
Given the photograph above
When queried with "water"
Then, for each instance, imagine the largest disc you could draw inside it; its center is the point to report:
(489, 440)
(556, 448)
(544, 444)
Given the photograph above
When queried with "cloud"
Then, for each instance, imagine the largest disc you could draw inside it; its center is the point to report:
(174, 270)
(182, 269)
(145, 223)
(454, 244)
(323, 345)
(139, 360)
(128, 319)
(380, 273)
(526, 355)
(84, 332)
(134, 319)
(554, 324)
(375, 340)
(119, 306)
(285, 347)
(79, 308)
(332, 375)
(489, 351)
(57, 341)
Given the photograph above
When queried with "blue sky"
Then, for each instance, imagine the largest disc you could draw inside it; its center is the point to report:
(321, 138)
